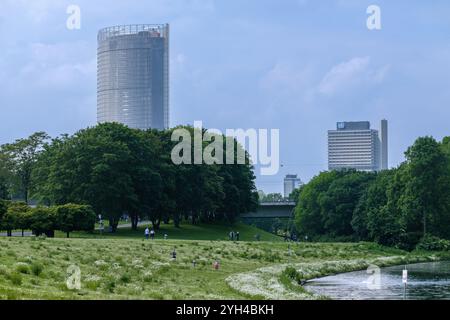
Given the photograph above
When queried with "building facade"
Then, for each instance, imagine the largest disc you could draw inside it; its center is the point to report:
(291, 182)
(354, 145)
(133, 76)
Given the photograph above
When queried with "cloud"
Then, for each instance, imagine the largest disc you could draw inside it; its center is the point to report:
(288, 80)
(36, 11)
(350, 74)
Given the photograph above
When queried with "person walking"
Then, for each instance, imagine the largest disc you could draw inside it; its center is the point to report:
(174, 254)
(147, 233)
(237, 235)
(152, 234)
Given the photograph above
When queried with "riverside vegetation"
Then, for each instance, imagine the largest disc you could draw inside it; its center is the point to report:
(36, 268)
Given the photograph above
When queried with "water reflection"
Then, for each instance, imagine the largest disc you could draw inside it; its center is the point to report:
(426, 281)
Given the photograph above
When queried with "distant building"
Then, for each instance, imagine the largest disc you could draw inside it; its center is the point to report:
(291, 182)
(133, 76)
(354, 145)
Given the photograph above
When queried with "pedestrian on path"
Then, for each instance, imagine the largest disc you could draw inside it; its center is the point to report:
(147, 233)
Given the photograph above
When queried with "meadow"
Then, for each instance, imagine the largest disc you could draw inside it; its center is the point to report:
(134, 268)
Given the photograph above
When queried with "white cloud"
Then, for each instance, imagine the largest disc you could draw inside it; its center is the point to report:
(350, 74)
(35, 10)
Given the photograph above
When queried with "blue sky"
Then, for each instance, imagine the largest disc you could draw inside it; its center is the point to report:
(296, 65)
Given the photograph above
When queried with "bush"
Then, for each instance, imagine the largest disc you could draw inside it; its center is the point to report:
(431, 243)
(36, 268)
(294, 275)
(22, 268)
(15, 278)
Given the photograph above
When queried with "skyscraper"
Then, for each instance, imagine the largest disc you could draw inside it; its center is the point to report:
(354, 145)
(384, 145)
(133, 76)
(291, 181)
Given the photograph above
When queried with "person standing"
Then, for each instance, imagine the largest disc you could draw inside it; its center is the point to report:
(147, 233)
(237, 235)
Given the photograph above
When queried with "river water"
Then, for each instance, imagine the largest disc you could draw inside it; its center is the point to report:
(426, 281)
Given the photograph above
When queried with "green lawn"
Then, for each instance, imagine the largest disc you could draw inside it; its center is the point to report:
(121, 268)
(186, 232)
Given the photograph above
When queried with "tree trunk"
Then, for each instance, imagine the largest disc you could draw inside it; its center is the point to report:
(134, 221)
(50, 233)
(113, 225)
(156, 224)
(176, 220)
(23, 233)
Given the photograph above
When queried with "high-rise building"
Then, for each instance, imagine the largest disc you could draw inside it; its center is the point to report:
(133, 76)
(384, 145)
(354, 145)
(291, 182)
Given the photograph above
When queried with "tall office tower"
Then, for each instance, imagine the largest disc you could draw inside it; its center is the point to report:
(354, 145)
(133, 76)
(291, 181)
(384, 145)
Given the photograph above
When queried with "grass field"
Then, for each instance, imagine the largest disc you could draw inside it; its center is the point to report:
(120, 268)
(185, 232)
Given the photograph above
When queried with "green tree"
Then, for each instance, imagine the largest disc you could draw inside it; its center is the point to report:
(73, 217)
(21, 157)
(309, 219)
(42, 220)
(427, 192)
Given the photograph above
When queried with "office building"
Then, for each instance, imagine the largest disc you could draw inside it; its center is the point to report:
(291, 182)
(133, 76)
(354, 145)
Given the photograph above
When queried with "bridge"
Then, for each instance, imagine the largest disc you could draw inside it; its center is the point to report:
(271, 210)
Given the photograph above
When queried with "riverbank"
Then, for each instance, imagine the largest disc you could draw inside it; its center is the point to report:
(285, 281)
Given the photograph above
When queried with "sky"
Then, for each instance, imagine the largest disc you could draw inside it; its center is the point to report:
(298, 66)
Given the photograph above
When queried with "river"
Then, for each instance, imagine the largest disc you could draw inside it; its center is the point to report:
(426, 281)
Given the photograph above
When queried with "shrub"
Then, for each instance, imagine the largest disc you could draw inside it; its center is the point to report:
(22, 268)
(15, 278)
(125, 278)
(36, 268)
(431, 243)
(294, 275)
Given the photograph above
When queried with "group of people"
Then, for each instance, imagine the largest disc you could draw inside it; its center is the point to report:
(234, 236)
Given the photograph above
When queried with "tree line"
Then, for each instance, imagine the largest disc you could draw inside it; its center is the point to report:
(117, 170)
(396, 207)
(45, 220)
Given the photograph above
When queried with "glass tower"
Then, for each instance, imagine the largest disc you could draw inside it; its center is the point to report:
(133, 76)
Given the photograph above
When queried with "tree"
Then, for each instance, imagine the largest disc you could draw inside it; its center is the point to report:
(4, 194)
(272, 197)
(43, 221)
(73, 217)
(21, 157)
(308, 212)
(427, 192)
(15, 217)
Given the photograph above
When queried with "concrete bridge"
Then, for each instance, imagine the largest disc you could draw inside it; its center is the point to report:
(271, 210)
